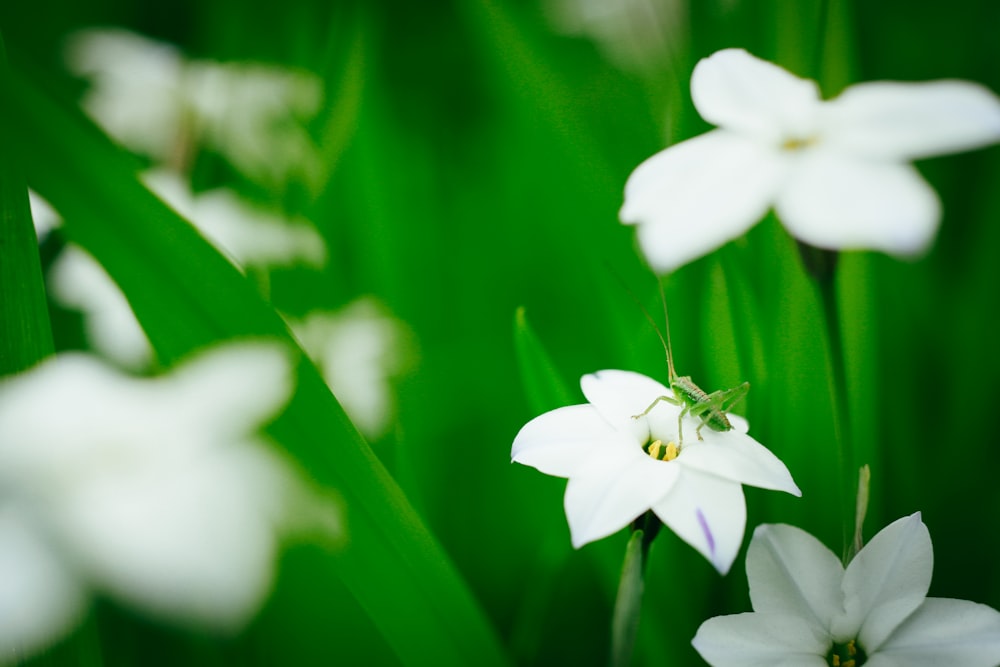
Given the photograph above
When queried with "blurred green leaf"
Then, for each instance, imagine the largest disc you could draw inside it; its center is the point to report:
(187, 296)
(27, 336)
(544, 386)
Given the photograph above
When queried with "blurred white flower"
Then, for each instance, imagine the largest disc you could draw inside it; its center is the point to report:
(42, 214)
(619, 465)
(633, 34)
(157, 492)
(247, 235)
(77, 281)
(808, 608)
(152, 99)
(836, 172)
(136, 91)
(359, 350)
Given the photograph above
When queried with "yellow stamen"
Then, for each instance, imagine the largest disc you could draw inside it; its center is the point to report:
(654, 449)
(662, 452)
(796, 144)
(672, 451)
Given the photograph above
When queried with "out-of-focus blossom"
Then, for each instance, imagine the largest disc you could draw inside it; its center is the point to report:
(77, 281)
(246, 234)
(136, 90)
(836, 172)
(633, 34)
(157, 492)
(152, 99)
(42, 214)
(622, 463)
(359, 350)
(810, 611)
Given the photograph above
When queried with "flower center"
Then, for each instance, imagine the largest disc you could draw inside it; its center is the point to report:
(846, 655)
(797, 143)
(661, 452)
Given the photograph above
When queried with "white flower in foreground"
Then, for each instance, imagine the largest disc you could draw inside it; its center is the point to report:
(807, 608)
(157, 492)
(836, 172)
(619, 466)
(359, 350)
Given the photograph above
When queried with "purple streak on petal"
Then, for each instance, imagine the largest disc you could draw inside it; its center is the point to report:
(708, 533)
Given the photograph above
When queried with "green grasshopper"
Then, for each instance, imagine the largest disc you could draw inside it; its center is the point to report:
(693, 400)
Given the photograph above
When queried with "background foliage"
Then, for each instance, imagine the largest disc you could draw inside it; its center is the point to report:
(475, 160)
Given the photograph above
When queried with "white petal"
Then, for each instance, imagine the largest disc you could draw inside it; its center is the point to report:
(77, 280)
(98, 408)
(612, 488)
(886, 582)
(836, 202)
(905, 121)
(622, 396)
(739, 458)
(695, 196)
(192, 541)
(558, 442)
(944, 632)
(707, 512)
(760, 640)
(739, 92)
(231, 389)
(40, 597)
(792, 573)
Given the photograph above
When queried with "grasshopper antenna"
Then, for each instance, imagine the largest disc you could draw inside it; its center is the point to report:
(666, 344)
(649, 318)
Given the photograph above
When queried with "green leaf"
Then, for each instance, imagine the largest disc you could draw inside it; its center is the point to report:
(186, 296)
(544, 386)
(26, 335)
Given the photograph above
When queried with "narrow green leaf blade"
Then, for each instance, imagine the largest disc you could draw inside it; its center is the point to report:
(186, 295)
(25, 333)
(544, 386)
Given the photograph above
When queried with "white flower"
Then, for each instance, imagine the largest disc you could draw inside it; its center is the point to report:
(608, 456)
(358, 350)
(42, 214)
(137, 87)
(247, 235)
(152, 99)
(634, 34)
(156, 492)
(78, 281)
(835, 172)
(806, 605)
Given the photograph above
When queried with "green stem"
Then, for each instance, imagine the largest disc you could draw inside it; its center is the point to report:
(821, 264)
(628, 603)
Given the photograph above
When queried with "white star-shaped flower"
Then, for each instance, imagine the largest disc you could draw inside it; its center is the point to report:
(808, 608)
(836, 172)
(157, 492)
(619, 466)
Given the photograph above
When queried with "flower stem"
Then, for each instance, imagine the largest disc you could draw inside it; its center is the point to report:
(822, 264)
(628, 603)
